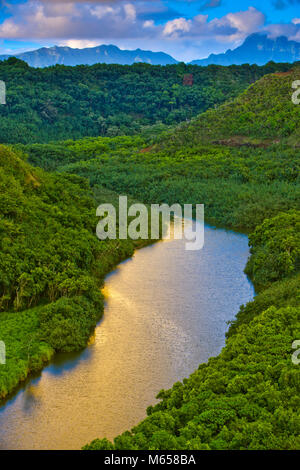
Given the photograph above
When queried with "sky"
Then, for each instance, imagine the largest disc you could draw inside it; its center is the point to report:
(186, 29)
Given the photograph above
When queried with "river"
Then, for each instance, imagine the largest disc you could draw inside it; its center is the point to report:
(166, 312)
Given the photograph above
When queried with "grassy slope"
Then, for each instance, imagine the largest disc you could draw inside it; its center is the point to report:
(243, 168)
(262, 115)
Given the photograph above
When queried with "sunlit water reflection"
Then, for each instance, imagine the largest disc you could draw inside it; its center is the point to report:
(166, 312)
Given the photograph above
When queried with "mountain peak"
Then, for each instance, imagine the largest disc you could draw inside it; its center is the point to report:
(258, 48)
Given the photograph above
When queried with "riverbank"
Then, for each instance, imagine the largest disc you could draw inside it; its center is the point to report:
(13, 327)
(241, 398)
(51, 266)
(166, 311)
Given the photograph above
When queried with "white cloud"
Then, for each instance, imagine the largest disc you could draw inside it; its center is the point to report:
(246, 21)
(119, 19)
(101, 11)
(149, 24)
(130, 12)
(36, 19)
(290, 30)
(59, 9)
(229, 28)
(79, 43)
(176, 27)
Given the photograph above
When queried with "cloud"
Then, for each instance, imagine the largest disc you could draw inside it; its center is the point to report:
(210, 4)
(121, 19)
(70, 20)
(130, 12)
(246, 22)
(101, 11)
(79, 43)
(177, 27)
(283, 4)
(149, 24)
(229, 28)
(290, 30)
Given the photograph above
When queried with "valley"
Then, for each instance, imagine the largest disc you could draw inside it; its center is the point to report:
(247, 395)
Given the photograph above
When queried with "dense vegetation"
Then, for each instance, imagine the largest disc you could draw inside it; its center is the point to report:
(247, 397)
(275, 249)
(240, 187)
(263, 114)
(240, 183)
(62, 102)
(51, 265)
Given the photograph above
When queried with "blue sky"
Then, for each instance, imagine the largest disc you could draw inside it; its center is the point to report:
(186, 29)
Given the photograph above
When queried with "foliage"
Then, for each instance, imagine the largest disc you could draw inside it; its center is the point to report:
(240, 187)
(62, 102)
(248, 397)
(275, 249)
(261, 115)
(246, 172)
(50, 258)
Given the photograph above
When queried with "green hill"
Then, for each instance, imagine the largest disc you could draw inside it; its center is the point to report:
(262, 115)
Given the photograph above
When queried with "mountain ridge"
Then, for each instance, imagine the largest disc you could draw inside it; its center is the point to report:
(256, 49)
(109, 54)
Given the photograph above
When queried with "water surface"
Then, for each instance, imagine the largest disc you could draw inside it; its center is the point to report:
(166, 312)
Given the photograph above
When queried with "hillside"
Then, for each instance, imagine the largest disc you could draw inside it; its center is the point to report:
(60, 102)
(51, 265)
(105, 54)
(257, 49)
(241, 159)
(262, 115)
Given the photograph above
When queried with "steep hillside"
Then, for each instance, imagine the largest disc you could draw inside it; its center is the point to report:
(239, 186)
(248, 396)
(262, 115)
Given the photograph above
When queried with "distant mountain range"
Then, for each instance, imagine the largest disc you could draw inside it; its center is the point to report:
(110, 54)
(257, 49)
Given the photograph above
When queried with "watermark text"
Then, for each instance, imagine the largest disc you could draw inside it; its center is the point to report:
(2, 92)
(296, 354)
(160, 221)
(296, 94)
(2, 353)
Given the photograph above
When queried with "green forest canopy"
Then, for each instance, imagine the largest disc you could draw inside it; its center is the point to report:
(60, 102)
